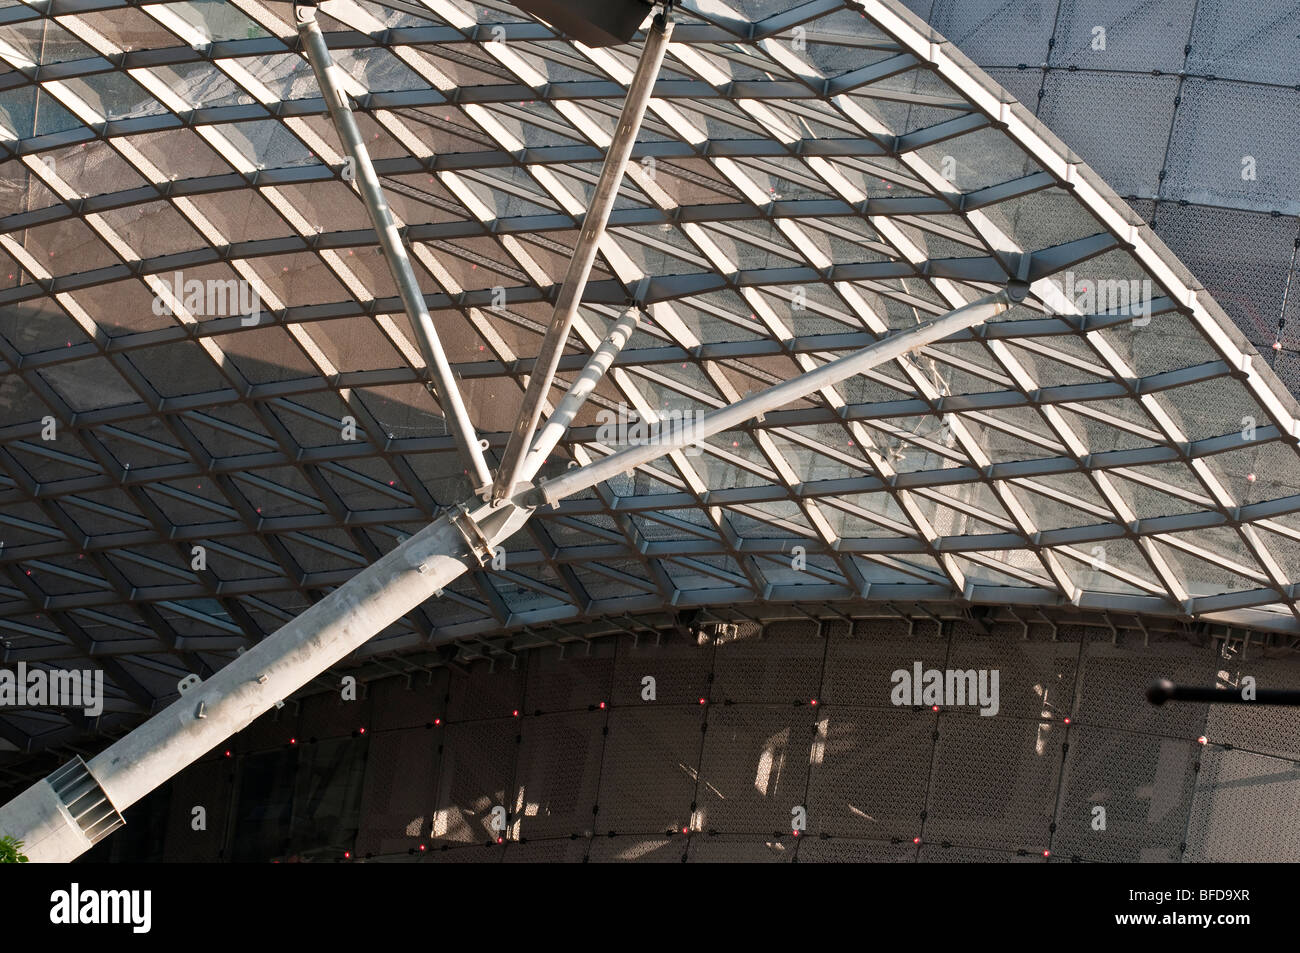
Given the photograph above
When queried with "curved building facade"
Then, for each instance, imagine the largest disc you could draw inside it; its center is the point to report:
(214, 411)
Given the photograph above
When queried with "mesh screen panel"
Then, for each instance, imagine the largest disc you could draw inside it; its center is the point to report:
(1245, 808)
(1086, 110)
(1139, 35)
(755, 768)
(869, 774)
(397, 802)
(647, 784)
(207, 784)
(558, 774)
(994, 781)
(1143, 783)
(476, 770)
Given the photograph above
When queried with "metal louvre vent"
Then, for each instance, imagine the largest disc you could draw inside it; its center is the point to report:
(81, 794)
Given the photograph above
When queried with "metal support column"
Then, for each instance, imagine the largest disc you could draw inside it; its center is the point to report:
(49, 821)
(557, 425)
(584, 255)
(390, 240)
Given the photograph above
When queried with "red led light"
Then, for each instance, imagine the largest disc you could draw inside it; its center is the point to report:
(361, 731)
(1047, 853)
(516, 713)
(437, 721)
(934, 708)
(1067, 721)
(501, 840)
(422, 847)
(227, 754)
(1203, 740)
(795, 833)
(347, 855)
(813, 703)
(686, 830)
(916, 840)
(293, 741)
(602, 704)
(701, 700)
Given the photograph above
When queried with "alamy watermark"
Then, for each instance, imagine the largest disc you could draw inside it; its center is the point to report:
(52, 688)
(950, 688)
(1092, 295)
(211, 297)
(625, 427)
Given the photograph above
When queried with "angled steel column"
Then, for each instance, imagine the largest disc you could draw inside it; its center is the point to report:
(58, 820)
(896, 345)
(584, 254)
(447, 392)
(557, 425)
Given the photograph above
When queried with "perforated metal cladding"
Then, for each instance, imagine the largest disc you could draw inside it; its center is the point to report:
(955, 854)
(564, 684)
(988, 786)
(1089, 93)
(680, 672)
(206, 784)
(755, 767)
(845, 851)
(785, 662)
(1246, 808)
(408, 703)
(1246, 39)
(1023, 84)
(563, 851)
(869, 772)
(329, 716)
(1035, 679)
(647, 784)
(401, 779)
(1242, 259)
(328, 790)
(994, 781)
(1137, 34)
(1114, 678)
(1218, 125)
(1088, 110)
(859, 666)
(740, 850)
(1272, 730)
(654, 850)
(466, 854)
(273, 729)
(994, 32)
(1143, 782)
(557, 779)
(477, 768)
(485, 692)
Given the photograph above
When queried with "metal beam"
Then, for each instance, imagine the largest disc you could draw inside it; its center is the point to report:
(735, 415)
(447, 392)
(584, 254)
(271, 671)
(557, 425)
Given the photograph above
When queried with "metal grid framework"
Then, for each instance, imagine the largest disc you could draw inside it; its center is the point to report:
(809, 178)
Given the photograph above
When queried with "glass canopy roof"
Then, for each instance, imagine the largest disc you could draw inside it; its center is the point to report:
(181, 473)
